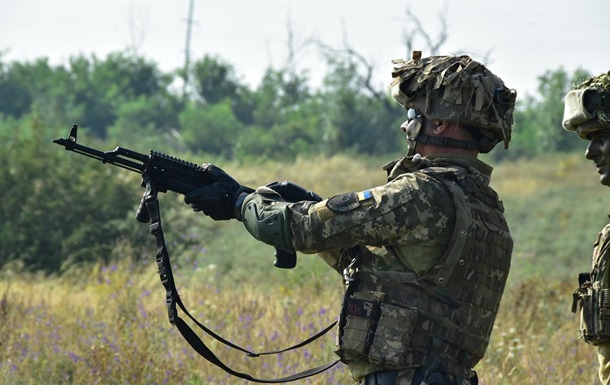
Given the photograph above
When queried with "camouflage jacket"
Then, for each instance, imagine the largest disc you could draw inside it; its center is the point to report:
(413, 211)
(592, 299)
(407, 224)
(601, 255)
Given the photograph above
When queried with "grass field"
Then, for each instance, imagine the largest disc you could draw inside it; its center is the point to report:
(107, 324)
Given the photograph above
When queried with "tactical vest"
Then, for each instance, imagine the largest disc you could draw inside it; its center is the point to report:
(593, 295)
(444, 317)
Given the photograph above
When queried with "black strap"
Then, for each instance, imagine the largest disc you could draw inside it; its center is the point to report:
(173, 299)
(447, 142)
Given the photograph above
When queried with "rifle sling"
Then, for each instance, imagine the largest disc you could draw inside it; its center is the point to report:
(173, 299)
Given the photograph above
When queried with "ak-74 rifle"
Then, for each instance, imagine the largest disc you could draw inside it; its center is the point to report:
(162, 173)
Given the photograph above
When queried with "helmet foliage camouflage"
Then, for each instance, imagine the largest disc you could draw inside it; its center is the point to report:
(456, 89)
(587, 106)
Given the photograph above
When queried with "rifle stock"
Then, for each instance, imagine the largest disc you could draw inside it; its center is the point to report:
(165, 172)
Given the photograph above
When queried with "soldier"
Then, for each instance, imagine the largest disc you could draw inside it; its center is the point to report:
(587, 112)
(425, 257)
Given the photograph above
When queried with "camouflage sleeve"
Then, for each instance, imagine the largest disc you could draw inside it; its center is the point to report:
(414, 208)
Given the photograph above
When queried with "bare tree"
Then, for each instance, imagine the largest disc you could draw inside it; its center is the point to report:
(366, 67)
(350, 55)
(296, 50)
(138, 23)
(433, 45)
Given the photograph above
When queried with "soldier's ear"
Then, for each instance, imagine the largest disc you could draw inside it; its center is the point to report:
(439, 128)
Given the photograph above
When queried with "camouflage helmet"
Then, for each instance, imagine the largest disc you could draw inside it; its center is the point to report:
(587, 106)
(456, 89)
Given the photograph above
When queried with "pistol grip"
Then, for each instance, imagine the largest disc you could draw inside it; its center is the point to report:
(285, 259)
(142, 215)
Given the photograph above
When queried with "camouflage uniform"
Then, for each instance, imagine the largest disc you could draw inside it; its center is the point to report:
(594, 299)
(587, 110)
(425, 256)
(408, 226)
(593, 302)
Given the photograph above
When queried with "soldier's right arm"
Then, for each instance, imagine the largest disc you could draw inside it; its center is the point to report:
(405, 210)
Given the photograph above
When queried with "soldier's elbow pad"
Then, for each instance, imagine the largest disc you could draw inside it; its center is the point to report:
(267, 221)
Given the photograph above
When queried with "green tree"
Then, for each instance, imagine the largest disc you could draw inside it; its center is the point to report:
(298, 133)
(538, 120)
(89, 91)
(278, 94)
(216, 81)
(55, 208)
(44, 87)
(16, 98)
(148, 123)
(357, 119)
(288, 118)
(210, 128)
(102, 86)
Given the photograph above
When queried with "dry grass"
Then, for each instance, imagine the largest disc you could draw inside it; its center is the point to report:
(108, 324)
(526, 177)
(325, 175)
(110, 327)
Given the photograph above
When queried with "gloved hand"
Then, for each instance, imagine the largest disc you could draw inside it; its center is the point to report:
(218, 199)
(291, 192)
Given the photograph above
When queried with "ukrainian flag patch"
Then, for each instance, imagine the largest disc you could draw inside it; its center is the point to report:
(364, 195)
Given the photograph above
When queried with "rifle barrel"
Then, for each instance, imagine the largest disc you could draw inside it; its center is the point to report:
(122, 157)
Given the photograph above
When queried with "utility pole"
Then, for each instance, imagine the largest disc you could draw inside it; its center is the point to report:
(187, 48)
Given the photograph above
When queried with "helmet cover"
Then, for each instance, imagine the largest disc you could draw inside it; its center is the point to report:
(456, 89)
(587, 106)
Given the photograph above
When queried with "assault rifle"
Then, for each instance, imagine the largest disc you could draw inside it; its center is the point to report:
(164, 172)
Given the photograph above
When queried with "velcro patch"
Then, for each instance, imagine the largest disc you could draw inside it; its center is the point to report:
(347, 202)
(343, 203)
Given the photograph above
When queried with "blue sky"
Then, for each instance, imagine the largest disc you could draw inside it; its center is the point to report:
(523, 39)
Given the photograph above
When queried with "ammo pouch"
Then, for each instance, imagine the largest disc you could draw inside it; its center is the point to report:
(375, 330)
(382, 323)
(594, 305)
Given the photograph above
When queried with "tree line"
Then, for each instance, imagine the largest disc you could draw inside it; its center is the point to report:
(123, 99)
(126, 98)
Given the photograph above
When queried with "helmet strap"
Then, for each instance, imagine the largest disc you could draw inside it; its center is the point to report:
(413, 129)
(446, 142)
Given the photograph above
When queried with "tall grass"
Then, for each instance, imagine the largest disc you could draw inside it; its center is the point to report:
(110, 326)
(107, 324)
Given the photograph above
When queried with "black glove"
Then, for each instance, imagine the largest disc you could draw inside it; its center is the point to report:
(291, 192)
(218, 198)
